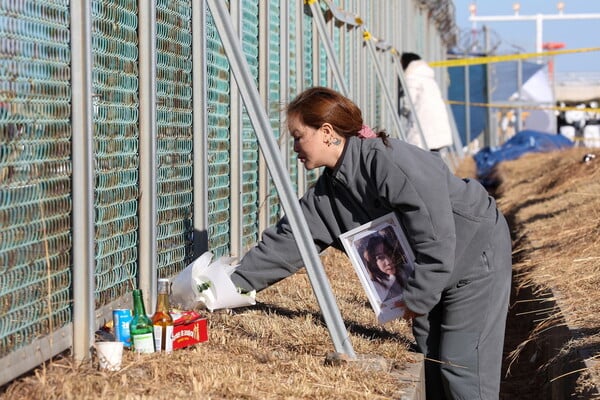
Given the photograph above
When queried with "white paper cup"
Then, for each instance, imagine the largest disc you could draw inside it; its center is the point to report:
(109, 355)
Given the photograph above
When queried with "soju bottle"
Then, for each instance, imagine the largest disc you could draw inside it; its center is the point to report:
(162, 319)
(141, 326)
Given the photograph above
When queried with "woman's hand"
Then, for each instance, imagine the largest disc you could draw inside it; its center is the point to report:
(408, 313)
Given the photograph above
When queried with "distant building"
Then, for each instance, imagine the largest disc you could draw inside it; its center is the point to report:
(577, 87)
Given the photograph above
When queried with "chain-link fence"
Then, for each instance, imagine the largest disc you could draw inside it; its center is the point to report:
(239, 199)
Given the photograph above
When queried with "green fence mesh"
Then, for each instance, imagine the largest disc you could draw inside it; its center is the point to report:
(175, 135)
(218, 142)
(249, 141)
(35, 171)
(116, 142)
(36, 137)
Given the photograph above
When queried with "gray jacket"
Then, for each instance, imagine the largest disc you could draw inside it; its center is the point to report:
(447, 220)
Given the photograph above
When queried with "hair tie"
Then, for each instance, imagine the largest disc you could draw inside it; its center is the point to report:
(366, 133)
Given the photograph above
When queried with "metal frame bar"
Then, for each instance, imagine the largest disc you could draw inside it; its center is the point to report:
(330, 77)
(370, 93)
(299, 50)
(83, 178)
(148, 258)
(467, 106)
(263, 88)
(364, 101)
(200, 126)
(353, 65)
(260, 121)
(26, 358)
(235, 150)
(316, 54)
(490, 134)
(284, 74)
(458, 146)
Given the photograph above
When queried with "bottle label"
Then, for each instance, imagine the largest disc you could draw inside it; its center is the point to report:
(143, 343)
(167, 331)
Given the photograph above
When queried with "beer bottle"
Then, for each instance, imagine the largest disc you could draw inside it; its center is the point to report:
(141, 326)
(162, 320)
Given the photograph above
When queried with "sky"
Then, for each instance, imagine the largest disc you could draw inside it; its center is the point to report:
(520, 36)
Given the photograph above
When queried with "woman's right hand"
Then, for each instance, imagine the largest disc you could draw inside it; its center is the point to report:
(408, 313)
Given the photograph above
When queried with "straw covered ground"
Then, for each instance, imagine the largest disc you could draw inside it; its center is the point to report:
(277, 349)
(553, 201)
(274, 350)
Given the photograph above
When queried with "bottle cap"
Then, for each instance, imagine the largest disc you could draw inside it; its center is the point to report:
(164, 285)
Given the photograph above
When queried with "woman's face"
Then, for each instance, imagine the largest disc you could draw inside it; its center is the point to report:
(311, 144)
(383, 260)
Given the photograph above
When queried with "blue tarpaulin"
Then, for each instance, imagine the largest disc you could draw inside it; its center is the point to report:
(523, 142)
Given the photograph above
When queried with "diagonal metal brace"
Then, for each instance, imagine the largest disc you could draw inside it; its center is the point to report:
(268, 145)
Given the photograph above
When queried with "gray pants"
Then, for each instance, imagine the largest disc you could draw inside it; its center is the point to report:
(463, 335)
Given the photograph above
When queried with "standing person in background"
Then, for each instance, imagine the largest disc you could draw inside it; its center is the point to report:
(429, 105)
(457, 295)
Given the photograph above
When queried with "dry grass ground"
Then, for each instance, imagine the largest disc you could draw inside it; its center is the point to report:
(554, 202)
(276, 350)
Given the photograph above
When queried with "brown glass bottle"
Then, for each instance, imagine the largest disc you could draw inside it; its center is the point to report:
(162, 321)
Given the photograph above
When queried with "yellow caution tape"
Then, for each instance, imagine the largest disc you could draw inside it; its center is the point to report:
(508, 57)
(525, 106)
(309, 2)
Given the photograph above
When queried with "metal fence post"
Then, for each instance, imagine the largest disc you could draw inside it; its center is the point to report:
(148, 149)
(83, 179)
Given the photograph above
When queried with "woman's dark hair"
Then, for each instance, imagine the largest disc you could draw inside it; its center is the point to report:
(407, 58)
(394, 252)
(318, 105)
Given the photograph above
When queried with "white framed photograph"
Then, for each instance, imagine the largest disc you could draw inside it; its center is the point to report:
(383, 261)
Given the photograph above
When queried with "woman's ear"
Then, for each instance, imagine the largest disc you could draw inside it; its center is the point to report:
(330, 136)
(327, 130)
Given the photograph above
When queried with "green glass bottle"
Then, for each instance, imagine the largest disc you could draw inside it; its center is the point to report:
(142, 337)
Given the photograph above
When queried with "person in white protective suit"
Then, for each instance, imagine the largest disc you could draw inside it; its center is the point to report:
(430, 109)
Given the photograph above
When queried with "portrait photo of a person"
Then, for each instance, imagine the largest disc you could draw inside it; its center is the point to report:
(384, 263)
(387, 266)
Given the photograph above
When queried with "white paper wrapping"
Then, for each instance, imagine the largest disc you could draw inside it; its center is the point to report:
(220, 293)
